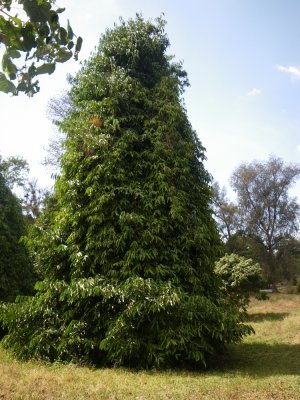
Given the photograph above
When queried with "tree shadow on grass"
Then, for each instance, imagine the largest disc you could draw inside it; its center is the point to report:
(262, 360)
(270, 316)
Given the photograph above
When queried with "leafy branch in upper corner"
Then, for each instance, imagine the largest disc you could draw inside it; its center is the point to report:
(36, 39)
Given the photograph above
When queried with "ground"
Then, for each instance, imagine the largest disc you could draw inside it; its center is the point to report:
(265, 366)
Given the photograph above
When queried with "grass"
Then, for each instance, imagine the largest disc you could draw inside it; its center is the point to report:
(264, 366)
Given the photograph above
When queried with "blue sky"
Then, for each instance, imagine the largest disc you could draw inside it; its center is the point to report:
(243, 63)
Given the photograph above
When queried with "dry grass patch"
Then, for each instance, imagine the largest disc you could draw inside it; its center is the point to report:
(278, 319)
(265, 367)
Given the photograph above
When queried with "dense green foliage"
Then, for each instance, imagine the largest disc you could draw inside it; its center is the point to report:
(240, 276)
(37, 39)
(127, 246)
(16, 273)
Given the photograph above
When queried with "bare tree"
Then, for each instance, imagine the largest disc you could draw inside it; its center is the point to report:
(58, 109)
(33, 202)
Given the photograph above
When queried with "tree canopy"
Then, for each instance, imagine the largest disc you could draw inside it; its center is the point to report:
(14, 171)
(34, 42)
(263, 197)
(127, 247)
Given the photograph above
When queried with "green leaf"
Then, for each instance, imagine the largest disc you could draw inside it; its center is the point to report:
(32, 70)
(37, 11)
(5, 60)
(63, 36)
(17, 21)
(70, 45)
(45, 69)
(6, 86)
(13, 53)
(63, 55)
(44, 30)
(70, 31)
(8, 66)
(78, 47)
(22, 86)
(53, 19)
(28, 36)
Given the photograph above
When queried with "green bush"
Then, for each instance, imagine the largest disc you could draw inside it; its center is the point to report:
(240, 277)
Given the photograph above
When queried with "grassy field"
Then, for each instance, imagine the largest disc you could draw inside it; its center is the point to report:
(264, 366)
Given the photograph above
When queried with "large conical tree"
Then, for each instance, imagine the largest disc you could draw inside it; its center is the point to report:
(128, 255)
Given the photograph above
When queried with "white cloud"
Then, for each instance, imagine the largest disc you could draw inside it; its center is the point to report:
(298, 148)
(254, 92)
(293, 71)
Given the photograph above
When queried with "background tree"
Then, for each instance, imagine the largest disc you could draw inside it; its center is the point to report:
(34, 199)
(269, 213)
(128, 253)
(16, 270)
(248, 247)
(267, 216)
(58, 110)
(288, 258)
(34, 42)
(225, 211)
(14, 171)
(20, 204)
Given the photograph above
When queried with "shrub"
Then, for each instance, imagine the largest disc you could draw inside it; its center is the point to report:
(240, 277)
